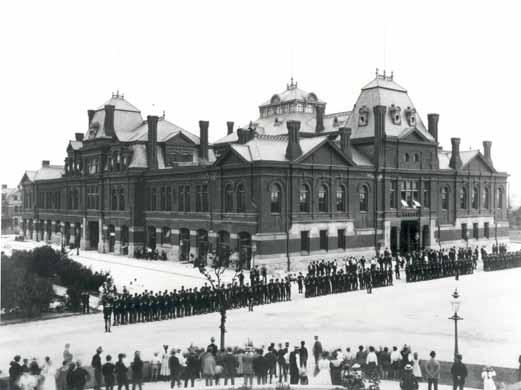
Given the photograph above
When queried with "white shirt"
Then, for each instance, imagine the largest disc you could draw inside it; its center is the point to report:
(372, 358)
(395, 356)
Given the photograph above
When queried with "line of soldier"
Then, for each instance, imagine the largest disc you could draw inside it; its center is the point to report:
(499, 249)
(129, 308)
(326, 278)
(505, 260)
(436, 264)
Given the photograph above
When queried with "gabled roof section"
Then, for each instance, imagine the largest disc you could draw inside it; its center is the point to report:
(49, 172)
(165, 131)
(411, 133)
(468, 157)
(29, 176)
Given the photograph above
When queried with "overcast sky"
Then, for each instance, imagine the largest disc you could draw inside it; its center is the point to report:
(218, 60)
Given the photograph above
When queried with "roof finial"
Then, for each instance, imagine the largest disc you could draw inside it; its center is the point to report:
(117, 93)
(163, 114)
(392, 75)
(376, 72)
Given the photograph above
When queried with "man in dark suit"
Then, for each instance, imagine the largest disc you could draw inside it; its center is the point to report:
(317, 350)
(303, 354)
(293, 367)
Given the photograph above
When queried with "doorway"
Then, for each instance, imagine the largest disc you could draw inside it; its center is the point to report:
(409, 236)
(93, 234)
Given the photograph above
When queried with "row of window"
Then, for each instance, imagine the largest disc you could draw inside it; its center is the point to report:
(285, 108)
(475, 231)
(117, 199)
(463, 198)
(410, 194)
(164, 198)
(49, 199)
(305, 246)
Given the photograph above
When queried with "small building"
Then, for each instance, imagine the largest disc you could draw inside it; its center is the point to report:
(294, 185)
(11, 210)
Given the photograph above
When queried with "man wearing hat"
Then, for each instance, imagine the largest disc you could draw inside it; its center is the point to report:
(212, 347)
(459, 373)
(408, 381)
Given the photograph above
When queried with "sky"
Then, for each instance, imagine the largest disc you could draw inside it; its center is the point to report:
(218, 60)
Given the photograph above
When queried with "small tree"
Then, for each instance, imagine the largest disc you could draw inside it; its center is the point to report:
(214, 274)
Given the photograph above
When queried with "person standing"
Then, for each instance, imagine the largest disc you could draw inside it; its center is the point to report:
(48, 373)
(174, 366)
(137, 371)
(60, 377)
(323, 376)
(247, 366)
(79, 377)
(96, 365)
(303, 355)
(121, 372)
(67, 354)
(164, 372)
(107, 312)
(15, 372)
(416, 369)
(488, 375)
(230, 364)
(432, 370)
(208, 366)
(408, 381)
(212, 348)
(294, 366)
(317, 350)
(459, 373)
(108, 370)
(155, 364)
(519, 372)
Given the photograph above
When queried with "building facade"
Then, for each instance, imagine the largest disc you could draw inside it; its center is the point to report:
(11, 210)
(291, 186)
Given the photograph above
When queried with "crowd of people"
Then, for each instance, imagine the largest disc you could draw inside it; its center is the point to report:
(248, 365)
(126, 308)
(504, 260)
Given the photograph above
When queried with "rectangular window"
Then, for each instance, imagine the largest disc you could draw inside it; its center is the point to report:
(304, 241)
(486, 230)
(168, 199)
(341, 239)
(187, 198)
(475, 230)
(323, 240)
(427, 194)
(198, 196)
(464, 231)
(163, 198)
(392, 195)
(204, 200)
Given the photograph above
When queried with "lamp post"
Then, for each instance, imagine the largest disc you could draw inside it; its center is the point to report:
(455, 303)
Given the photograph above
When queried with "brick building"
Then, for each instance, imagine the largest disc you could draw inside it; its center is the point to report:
(291, 186)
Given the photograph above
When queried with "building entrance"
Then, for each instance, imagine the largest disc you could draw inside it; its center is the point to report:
(93, 234)
(409, 236)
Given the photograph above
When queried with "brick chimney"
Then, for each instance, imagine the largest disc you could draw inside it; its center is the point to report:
(487, 145)
(455, 158)
(229, 126)
(152, 141)
(45, 163)
(433, 125)
(320, 118)
(293, 149)
(203, 140)
(78, 136)
(345, 141)
(108, 125)
(379, 134)
(244, 135)
(90, 113)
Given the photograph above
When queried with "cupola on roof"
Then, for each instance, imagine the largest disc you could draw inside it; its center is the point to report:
(292, 93)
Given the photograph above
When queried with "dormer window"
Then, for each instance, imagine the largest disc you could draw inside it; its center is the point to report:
(309, 108)
(278, 110)
(363, 116)
(410, 115)
(300, 107)
(395, 111)
(335, 122)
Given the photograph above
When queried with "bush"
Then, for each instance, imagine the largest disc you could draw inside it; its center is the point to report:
(74, 301)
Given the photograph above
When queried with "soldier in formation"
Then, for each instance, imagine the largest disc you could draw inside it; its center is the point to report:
(505, 260)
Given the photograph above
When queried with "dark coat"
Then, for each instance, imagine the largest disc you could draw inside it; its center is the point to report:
(173, 364)
(137, 368)
(458, 371)
(230, 364)
(260, 366)
(121, 371)
(108, 370)
(96, 362)
(15, 371)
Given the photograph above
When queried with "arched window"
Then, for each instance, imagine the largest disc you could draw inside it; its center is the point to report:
(275, 198)
(228, 199)
(475, 197)
(323, 198)
(304, 198)
(445, 198)
(241, 199)
(500, 198)
(463, 198)
(364, 199)
(121, 199)
(486, 198)
(341, 198)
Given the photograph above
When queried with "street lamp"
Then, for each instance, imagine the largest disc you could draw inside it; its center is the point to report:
(455, 303)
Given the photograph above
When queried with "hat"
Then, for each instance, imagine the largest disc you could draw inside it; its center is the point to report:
(212, 339)
(408, 367)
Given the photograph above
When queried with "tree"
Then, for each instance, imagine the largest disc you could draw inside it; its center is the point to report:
(214, 274)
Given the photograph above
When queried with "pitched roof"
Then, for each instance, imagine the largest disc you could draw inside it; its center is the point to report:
(466, 157)
(119, 102)
(165, 131)
(30, 175)
(49, 172)
(291, 93)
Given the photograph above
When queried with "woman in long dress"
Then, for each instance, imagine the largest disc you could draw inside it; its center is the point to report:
(165, 371)
(48, 373)
(323, 376)
(488, 375)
